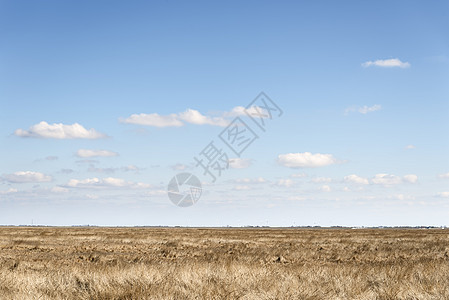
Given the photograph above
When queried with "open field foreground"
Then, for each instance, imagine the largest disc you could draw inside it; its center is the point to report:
(194, 263)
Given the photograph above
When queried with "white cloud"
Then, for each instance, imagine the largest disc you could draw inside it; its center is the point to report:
(58, 189)
(156, 193)
(444, 175)
(9, 191)
(59, 131)
(386, 179)
(297, 198)
(179, 167)
(87, 161)
(239, 163)
(130, 168)
(108, 182)
(410, 147)
(443, 195)
(402, 197)
(411, 178)
(235, 112)
(242, 187)
(254, 110)
(363, 109)
(306, 160)
(298, 175)
(389, 180)
(153, 120)
(366, 109)
(321, 180)
(102, 170)
(26, 177)
(284, 182)
(326, 188)
(174, 120)
(95, 153)
(195, 117)
(386, 63)
(92, 168)
(250, 180)
(356, 179)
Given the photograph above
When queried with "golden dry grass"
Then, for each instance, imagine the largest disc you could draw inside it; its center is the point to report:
(199, 263)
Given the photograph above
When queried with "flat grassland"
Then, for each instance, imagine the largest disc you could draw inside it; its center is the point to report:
(223, 263)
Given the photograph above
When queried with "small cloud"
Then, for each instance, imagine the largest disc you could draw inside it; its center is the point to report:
(254, 110)
(240, 163)
(411, 178)
(356, 179)
(326, 188)
(363, 109)
(95, 153)
(298, 175)
(66, 171)
(321, 180)
(242, 187)
(191, 116)
(131, 168)
(58, 190)
(443, 195)
(108, 182)
(59, 131)
(156, 193)
(9, 191)
(251, 180)
(389, 180)
(101, 170)
(195, 117)
(410, 147)
(284, 182)
(402, 197)
(386, 63)
(235, 112)
(386, 179)
(366, 109)
(179, 167)
(128, 168)
(297, 198)
(87, 161)
(446, 175)
(26, 177)
(306, 160)
(154, 119)
(51, 158)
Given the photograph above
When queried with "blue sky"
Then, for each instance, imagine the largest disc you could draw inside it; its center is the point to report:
(103, 102)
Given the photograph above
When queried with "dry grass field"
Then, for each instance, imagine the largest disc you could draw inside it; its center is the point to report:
(199, 263)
